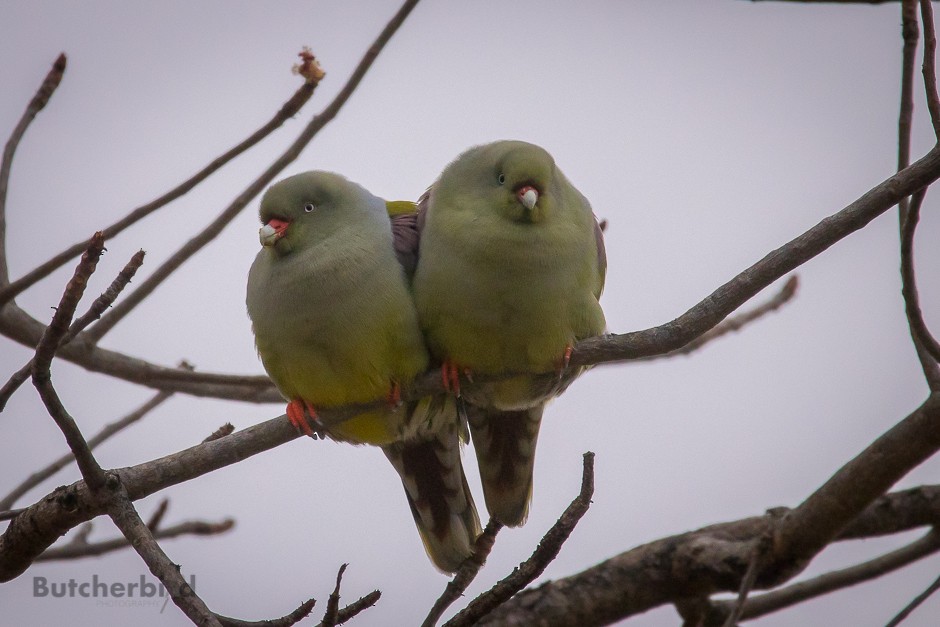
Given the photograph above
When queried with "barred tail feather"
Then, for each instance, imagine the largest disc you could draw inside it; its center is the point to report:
(505, 446)
(437, 492)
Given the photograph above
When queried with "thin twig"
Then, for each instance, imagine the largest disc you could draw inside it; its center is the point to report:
(109, 430)
(38, 102)
(545, 552)
(287, 111)
(91, 549)
(94, 312)
(293, 618)
(465, 574)
(910, 34)
(332, 604)
(930, 362)
(45, 351)
(914, 604)
(11, 514)
(762, 546)
(930, 65)
(357, 606)
(209, 233)
(157, 516)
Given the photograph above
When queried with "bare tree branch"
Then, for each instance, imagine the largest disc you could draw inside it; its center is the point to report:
(109, 430)
(759, 553)
(929, 348)
(776, 600)
(332, 604)
(39, 525)
(45, 351)
(106, 486)
(774, 265)
(94, 312)
(357, 606)
(38, 102)
(930, 65)
(910, 33)
(736, 322)
(287, 157)
(293, 618)
(287, 111)
(465, 574)
(715, 559)
(914, 604)
(545, 552)
(78, 550)
(807, 529)
(221, 432)
(127, 519)
(17, 325)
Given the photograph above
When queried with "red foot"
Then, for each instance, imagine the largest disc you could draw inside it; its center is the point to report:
(297, 412)
(450, 377)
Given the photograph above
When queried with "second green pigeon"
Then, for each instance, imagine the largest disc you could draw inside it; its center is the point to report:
(510, 267)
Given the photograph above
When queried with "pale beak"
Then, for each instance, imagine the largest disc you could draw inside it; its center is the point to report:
(528, 196)
(272, 231)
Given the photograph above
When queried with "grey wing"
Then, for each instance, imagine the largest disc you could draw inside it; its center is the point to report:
(406, 236)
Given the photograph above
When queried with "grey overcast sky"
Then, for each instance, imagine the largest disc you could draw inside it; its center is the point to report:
(707, 133)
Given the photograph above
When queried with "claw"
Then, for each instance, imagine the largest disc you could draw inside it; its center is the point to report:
(298, 411)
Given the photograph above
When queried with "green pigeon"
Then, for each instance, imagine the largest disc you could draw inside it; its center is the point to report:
(334, 324)
(510, 267)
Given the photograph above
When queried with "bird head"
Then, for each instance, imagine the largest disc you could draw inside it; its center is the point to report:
(306, 208)
(515, 179)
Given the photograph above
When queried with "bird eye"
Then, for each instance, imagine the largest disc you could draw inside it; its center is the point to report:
(309, 207)
(501, 178)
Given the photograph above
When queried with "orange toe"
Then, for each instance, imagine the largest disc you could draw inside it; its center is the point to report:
(297, 417)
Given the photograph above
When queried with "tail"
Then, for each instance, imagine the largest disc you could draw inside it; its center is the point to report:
(505, 446)
(440, 499)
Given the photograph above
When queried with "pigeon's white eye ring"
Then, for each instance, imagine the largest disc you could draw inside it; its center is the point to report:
(309, 207)
(501, 178)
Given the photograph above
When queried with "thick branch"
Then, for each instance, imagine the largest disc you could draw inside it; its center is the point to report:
(17, 325)
(807, 529)
(714, 559)
(774, 265)
(39, 525)
(734, 323)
